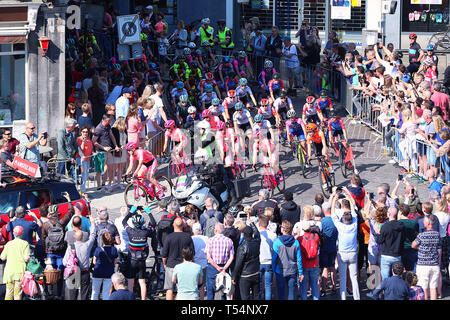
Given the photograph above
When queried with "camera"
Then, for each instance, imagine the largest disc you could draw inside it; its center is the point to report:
(242, 215)
(338, 190)
(45, 135)
(371, 196)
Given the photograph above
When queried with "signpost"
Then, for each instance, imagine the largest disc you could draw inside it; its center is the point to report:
(25, 167)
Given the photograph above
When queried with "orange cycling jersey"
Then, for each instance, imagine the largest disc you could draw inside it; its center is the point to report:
(316, 138)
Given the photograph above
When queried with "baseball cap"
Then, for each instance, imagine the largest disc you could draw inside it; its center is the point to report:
(126, 90)
(286, 38)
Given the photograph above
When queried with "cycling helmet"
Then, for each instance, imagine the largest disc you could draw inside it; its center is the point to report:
(204, 125)
(206, 21)
(208, 88)
(268, 64)
(220, 125)
(187, 51)
(205, 43)
(238, 106)
(259, 118)
(290, 114)
(283, 94)
(310, 99)
(242, 82)
(264, 102)
(229, 124)
(184, 98)
(215, 101)
(430, 47)
(323, 94)
(192, 109)
(179, 85)
(234, 211)
(192, 45)
(333, 114)
(413, 36)
(276, 76)
(206, 113)
(209, 76)
(138, 220)
(144, 37)
(242, 54)
(169, 124)
(202, 153)
(226, 59)
(311, 127)
(131, 146)
(152, 65)
(231, 93)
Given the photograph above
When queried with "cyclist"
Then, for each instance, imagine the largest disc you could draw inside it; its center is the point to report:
(268, 112)
(311, 113)
(207, 97)
(263, 125)
(295, 127)
(147, 164)
(192, 117)
(176, 92)
(266, 75)
(209, 80)
(316, 136)
(229, 104)
(228, 143)
(282, 104)
(243, 91)
(194, 74)
(265, 146)
(212, 120)
(275, 86)
(243, 122)
(229, 84)
(217, 109)
(208, 54)
(152, 75)
(180, 141)
(196, 55)
(138, 249)
(241, 65)
(224, 68)
(178, 71)
(182, 109)
(324, 103)
(431, 57)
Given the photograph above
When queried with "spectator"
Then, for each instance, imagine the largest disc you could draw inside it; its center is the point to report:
(119, 159)
(346, 222)
(172, 253)
(85, 222)
(394, 287)
(104, 140)
(29, 142)
(120, 290)
(188, 276)
(85, 120)
(259, 48)
(6, 158)
(13, 143)
(209, 213)
(409, 256)
(105, 259)
(123, 103)
(85, 148)
(159, 105)
(102, 224)
(220, 254)
(328, 250)
(110, 109)
(383, 193)
(67, 148)
(434, 184)
(273, 47)
(76, 225)
(440, 99)
(96, 96)
(16, 253)
(290, 211)
(306, 222)
(428, 211)
(309, 246)
(133, 124)
(265, 257)
(200, 242)
(289, 52)
(263, 202)
(415, 292)
(246, 271)
(28, 227)
(273, 227)
(429, 245)
(180, 36)
(287, 262)
(231, 232)
(410, 198)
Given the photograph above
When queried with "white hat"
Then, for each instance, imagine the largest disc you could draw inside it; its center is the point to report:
(149, 7)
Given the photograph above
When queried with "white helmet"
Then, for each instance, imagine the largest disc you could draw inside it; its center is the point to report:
(204, 125)
(187, 51)
(206, 21)
(192, 45)
(201, 153)
(192, 109)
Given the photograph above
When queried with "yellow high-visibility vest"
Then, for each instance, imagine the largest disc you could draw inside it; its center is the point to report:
(203, 36)
(222, 38)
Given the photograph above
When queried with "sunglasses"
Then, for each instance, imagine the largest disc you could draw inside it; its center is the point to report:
(31, 128)
(7, 134)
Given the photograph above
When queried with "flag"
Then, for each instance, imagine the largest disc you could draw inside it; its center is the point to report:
(349, 156)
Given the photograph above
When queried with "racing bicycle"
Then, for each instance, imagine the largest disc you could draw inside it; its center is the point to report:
(271, 180)
(326, 179)
(139, 193)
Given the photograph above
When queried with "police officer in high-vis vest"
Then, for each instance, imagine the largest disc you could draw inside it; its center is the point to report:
(206, 31)
(224, 38)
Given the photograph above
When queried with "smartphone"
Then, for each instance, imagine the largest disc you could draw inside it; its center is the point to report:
(400, 177)
(45, 135)
(371, 196)
(412, 191)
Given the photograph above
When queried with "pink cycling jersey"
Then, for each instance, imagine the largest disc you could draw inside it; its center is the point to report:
(142, 155)
(176, 135)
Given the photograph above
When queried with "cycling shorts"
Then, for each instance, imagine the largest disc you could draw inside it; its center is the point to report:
(318, 147)
(336, 133)
(245, 126)
(149, 167)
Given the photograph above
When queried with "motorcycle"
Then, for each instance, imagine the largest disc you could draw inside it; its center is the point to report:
(195, 187)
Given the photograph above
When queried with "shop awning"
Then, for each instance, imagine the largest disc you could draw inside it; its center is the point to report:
(12, 39)
(13, 35)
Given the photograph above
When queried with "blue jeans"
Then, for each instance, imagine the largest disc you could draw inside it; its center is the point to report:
(266, 271)
(63, 165)
(211, 273)
(310, 279)
(84, 173)
(96, 284)
(57, 260)
(386, 265)
(282, 283)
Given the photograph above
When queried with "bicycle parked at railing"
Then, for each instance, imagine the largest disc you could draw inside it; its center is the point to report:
(441, 39)
(140, 193)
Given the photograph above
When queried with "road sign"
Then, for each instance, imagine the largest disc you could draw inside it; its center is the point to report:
(129, 29)
(123, 50)
(25, 167)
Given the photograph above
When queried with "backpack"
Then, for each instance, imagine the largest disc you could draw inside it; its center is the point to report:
(311, 247)
(72, 264)
(164, 227)
(28, 284)
(55, 238)
(210, 224)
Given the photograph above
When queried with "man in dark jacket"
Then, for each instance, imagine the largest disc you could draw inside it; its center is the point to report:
(391, 238)
(290, 211)
(263, 202)
(246, 270)
(394, 288)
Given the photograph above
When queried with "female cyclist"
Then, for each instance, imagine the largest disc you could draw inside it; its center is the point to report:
(243, 123)
(265, 146)
(180, 142)
(243, 91)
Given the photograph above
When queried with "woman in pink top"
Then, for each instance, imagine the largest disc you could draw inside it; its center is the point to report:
(134, 125)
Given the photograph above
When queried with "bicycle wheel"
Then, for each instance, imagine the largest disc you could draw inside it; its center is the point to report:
(444, 42)
(166, 193)
(341, 163)
(135, 197)
(324, 183)
(267, 184)
(349, 169)
(281, 185)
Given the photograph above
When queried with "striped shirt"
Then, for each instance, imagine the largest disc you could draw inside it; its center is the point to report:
(220, 248)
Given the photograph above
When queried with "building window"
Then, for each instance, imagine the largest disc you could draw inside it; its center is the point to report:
(425, 17)
(12, 83)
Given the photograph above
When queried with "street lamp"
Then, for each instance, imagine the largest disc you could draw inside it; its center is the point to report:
(44, 42)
